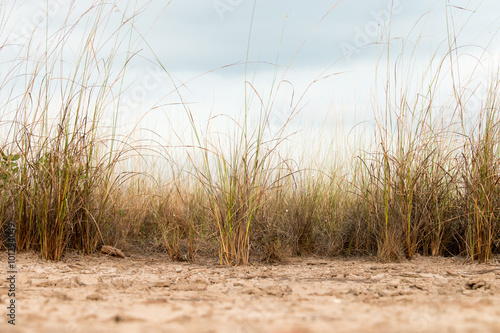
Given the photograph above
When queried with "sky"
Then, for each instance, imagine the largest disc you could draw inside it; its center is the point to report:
(316, 59)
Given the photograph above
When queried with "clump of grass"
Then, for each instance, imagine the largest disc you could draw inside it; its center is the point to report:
(59, 169)
(236, 186)
(480, 172)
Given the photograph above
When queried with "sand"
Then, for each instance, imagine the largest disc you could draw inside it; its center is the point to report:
(100, 293)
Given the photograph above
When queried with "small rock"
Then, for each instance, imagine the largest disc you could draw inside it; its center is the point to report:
(112, 251)
(178, 270)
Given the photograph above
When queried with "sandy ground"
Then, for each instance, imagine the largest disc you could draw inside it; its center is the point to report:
(153, 294)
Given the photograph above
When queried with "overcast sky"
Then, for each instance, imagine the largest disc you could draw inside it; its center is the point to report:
(337, 41)
(325, 37)
(200, 35)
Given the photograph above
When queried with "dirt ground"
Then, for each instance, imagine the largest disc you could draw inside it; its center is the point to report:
(152, 294)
